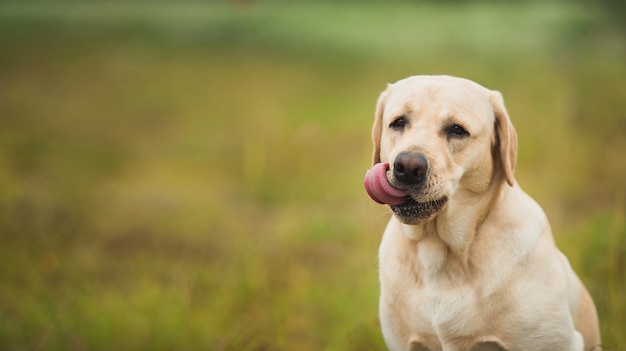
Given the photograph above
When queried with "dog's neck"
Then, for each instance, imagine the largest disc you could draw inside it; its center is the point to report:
(444, 243)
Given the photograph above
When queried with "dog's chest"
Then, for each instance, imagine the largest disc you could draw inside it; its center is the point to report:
(448, 314)
(436, 319)
(427, 298)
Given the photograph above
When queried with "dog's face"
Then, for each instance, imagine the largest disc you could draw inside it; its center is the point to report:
(443, 137)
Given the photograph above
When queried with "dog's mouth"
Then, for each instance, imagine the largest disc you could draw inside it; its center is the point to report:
(411, 211)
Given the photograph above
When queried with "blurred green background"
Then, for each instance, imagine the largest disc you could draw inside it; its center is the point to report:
(188, 175)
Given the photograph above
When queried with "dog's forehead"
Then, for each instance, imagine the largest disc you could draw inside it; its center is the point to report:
(448, 94)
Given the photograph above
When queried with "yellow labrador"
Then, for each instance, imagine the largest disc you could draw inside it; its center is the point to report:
(467, 261)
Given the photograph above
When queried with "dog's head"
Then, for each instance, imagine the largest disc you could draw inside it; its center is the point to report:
(442, 136)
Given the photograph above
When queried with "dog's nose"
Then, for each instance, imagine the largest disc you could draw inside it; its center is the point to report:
(410, 168)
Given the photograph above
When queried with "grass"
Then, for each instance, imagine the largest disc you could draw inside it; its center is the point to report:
(189, 176)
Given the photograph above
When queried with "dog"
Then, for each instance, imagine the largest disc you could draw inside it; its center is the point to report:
(467, 260)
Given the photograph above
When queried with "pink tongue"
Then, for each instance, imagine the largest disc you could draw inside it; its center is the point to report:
(379, 188)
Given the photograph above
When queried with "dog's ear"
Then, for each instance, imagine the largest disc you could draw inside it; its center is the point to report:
(505, 135)
(377, 128)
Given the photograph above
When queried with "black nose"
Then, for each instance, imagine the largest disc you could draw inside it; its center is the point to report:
(410, 168)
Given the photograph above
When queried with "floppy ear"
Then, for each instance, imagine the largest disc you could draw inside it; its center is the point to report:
(377, 129)
(505, 135)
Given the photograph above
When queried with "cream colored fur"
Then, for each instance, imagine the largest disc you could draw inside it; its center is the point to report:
(484, 273)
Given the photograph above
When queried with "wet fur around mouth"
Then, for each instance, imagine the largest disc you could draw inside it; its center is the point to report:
(412, 211)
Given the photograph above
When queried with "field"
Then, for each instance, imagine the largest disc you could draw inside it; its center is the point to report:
(188, 176)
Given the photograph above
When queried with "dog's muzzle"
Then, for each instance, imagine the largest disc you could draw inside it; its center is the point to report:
(410, 171)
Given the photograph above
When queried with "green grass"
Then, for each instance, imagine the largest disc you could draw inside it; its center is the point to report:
(189, 176)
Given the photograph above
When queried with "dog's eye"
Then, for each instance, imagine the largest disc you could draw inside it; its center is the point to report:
(456, 131)
(398, 124)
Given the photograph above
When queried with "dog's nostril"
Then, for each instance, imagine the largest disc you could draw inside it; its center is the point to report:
(398, 167)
